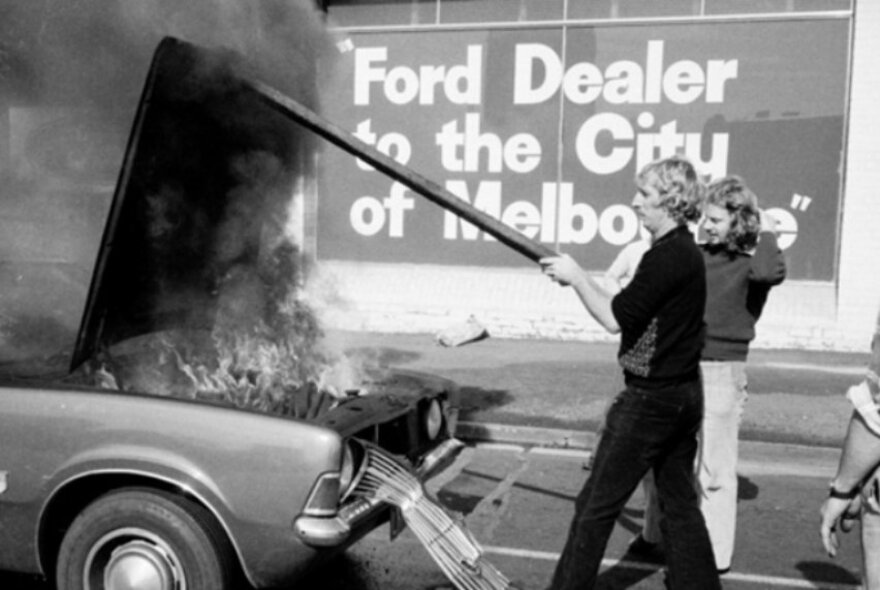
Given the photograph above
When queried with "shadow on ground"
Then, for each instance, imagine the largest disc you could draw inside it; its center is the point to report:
(822, 572)
(625, 575)
(474, 399)
(746, 488)
(341, 573)
(383, 356)
(13, 581)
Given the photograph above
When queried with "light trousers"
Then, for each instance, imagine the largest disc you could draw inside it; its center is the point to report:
(871, 533)
(725, 394)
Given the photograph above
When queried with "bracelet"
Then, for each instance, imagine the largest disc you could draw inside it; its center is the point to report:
(833, 492)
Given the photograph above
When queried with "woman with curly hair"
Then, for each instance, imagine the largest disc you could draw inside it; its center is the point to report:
(743, 261)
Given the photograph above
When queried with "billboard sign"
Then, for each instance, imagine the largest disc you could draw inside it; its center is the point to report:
(545, 128)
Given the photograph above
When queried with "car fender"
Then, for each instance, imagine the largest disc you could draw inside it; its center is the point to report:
(102, 470)
(253, 471)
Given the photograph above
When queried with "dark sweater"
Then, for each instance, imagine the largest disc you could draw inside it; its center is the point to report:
(660, 314)
(738, 285)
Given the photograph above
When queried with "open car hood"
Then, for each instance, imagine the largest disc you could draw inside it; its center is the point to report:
(207, 166)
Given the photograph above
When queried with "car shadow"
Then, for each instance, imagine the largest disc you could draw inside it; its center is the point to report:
(343, 572)
(475, 399)
(14, 581)
(461, 503)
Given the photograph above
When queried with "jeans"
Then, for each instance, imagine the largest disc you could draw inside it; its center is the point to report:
(644, 430)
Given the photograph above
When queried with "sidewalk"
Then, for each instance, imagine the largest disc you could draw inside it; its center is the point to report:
(554, 392)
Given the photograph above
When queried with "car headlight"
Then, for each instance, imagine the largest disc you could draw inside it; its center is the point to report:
(432, 419)
(353, 466)
(346, 472)
(324, 497)
(333, 487)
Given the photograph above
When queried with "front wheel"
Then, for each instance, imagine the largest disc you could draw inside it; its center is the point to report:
(138, 539)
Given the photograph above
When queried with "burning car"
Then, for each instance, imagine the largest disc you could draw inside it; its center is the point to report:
(195, 434)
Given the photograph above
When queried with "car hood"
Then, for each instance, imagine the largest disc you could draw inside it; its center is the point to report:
(207, 170)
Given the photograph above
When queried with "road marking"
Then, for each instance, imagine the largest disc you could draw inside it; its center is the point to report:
(518, 448)
(757, 579)
(489, 512)
(783, 469)
(765, 466)
(573, 453)
(840, 370)
(496, 446)
(439, 480)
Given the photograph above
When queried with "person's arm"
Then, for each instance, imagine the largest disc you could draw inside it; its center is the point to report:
(861, 454)
(615, 272)
(660, 274)
(595, 298)
(768, 262)
(872, 376)
(865, 396)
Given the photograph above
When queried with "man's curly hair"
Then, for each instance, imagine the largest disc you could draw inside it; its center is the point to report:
(732, 194)
(679, 185)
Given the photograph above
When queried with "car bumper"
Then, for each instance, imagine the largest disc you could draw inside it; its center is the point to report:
(331, 532)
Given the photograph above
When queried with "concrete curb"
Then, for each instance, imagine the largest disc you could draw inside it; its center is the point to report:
(526, 435)
(755, 457)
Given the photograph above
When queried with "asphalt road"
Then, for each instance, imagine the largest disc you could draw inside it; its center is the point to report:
(517, 502)
(795, 396)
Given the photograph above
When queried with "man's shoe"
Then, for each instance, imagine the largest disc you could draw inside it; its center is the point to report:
(646, 550)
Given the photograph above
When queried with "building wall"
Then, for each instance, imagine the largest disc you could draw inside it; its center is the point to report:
(522, 303)
(859, 285)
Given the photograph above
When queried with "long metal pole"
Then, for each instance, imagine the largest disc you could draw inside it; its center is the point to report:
(415, 181)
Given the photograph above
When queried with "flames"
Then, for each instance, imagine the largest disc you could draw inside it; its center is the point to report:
(244, 331)
(287, 372)
(200, 295)
(257, 372)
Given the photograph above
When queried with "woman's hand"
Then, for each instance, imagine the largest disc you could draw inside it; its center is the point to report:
(768, 222)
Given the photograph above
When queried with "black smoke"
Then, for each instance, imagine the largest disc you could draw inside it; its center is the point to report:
(71, 74)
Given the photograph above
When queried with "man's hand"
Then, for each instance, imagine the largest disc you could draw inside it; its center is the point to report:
(561, 269)
(596, 299)
(836, 512)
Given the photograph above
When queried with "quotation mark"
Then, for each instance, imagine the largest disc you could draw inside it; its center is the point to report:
(800, 202)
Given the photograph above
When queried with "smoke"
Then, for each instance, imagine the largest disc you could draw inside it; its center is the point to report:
(71, 74)
(95, 52)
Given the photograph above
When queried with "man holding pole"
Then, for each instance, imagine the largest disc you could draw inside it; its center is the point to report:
(653, 423)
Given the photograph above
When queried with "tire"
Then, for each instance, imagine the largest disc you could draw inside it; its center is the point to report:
(140, 538)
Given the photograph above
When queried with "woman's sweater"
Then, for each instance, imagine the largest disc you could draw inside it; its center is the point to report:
(737, 287)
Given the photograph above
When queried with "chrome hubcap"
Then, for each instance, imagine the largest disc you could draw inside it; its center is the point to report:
(133, 559)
